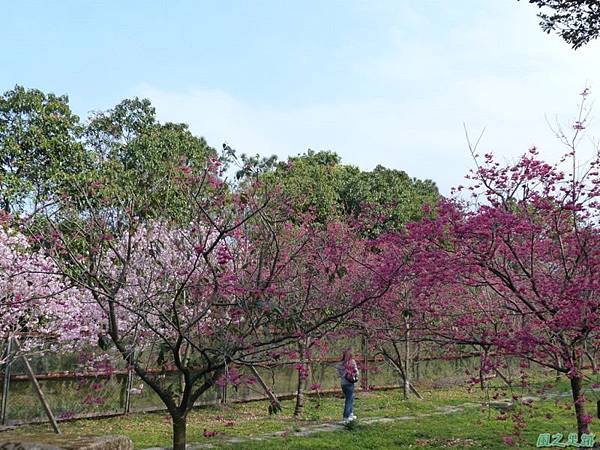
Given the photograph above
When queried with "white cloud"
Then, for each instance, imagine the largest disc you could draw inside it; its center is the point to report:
(501, 73)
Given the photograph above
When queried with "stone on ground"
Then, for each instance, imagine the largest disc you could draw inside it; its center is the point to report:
(41, 441)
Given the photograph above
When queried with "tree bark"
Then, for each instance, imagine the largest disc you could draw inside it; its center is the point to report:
(558, 372)
(179, 431)
(576, 389)
(397, 366)
(482, 359)
(406, 388)
(301, 383)
(416, 361)
(299, 398)
(364, 379)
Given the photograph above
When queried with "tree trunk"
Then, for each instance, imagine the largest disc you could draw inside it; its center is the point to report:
(417, 362)
(301, 382)
(184, 357)
(364, 379)
(406, 389)
(397, 366)
(582, 427)
(482, 359)
(179, 431)
(299, 398)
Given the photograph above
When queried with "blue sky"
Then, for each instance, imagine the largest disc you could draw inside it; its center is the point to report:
(379, 82)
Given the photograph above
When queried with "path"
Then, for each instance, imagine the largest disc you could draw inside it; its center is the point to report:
(327, 427)
(337, 426)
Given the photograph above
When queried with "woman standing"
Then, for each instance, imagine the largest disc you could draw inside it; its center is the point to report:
(348, 373)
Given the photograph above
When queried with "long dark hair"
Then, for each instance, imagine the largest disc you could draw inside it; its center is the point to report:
(347, 355)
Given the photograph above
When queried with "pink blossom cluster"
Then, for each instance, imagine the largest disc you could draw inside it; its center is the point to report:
(39, 307)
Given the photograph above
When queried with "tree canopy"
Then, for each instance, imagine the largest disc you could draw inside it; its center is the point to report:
(576, 21)
(136, 156)
(148, 247)
(39, 145)
(319, 183)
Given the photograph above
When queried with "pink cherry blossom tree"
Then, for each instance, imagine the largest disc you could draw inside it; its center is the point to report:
(41, 309)
(236, 283)
(526, 242)
(512, 270)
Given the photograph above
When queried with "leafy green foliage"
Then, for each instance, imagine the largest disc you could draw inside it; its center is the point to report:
(139, 159)
(317, 182)
(577, 22)
(389, 196)
(312, 182)
(39, 146)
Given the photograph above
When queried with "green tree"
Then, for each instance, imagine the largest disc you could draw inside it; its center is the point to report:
(39, 146)
(318, 182)
(313, 182)
(389, 196)
(576, 21)
(136, 157)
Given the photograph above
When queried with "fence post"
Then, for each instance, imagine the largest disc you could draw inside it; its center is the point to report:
(38, 390)
(6, 384)
(224, 394)
(128, 387)
(275, 406)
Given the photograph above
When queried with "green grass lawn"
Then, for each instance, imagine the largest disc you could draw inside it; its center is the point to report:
(473, 427)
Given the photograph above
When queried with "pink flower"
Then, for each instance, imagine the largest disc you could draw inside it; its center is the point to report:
(508, 440)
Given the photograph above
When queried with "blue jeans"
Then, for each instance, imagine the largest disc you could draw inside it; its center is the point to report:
(348, 390)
